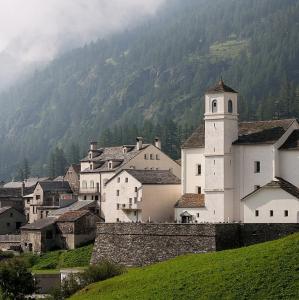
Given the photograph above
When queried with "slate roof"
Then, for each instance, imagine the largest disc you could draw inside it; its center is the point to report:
(191, 201)
(4, 209)
(152, 176)
(78, 205)
(112, 153)
(72, 216)
(278, 183)
(30, 182)
(14, 192)
(258, 132)
(39, 224)
(220, 87)
(55, 186)
(292, 142)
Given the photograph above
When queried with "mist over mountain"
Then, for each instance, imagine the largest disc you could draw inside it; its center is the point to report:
(155, 71)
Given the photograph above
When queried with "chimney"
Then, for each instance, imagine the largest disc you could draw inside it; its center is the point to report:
(23, 189)
(157, 143)
(139, 142)
(93, 146)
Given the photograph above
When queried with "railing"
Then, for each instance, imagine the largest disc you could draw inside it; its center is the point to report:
(10, 238)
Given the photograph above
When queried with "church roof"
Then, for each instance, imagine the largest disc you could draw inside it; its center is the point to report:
(278, 183)
(257, 132)
(220, 87)
(292, 142)
(191, 201)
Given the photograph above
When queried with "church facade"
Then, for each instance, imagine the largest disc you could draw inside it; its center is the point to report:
(243, 171)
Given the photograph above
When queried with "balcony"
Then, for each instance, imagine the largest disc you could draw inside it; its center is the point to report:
(129, 206)
(89, 191)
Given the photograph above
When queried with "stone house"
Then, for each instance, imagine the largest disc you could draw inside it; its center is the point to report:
(68, 231)
(72, 176)
(140, 196)
(10, 220)
(48, 196)
(226, 160)
(101, 164)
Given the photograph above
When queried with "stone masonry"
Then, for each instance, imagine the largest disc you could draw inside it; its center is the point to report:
(138, 244)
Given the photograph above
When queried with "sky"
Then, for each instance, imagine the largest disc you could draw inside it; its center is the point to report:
(35, 31)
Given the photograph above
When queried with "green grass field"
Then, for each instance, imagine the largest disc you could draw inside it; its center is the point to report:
(264, 271)
(54, 260)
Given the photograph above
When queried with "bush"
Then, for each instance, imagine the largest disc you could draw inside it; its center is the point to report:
(95, 273)
(5, 255)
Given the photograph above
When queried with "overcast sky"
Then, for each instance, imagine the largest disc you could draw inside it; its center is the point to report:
(38, 30)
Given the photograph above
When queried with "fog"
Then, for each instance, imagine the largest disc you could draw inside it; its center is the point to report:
(32, 32)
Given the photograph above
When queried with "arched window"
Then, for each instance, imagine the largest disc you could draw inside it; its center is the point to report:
(230, 106)
(214, 106)
(84, 184)
(91, 184)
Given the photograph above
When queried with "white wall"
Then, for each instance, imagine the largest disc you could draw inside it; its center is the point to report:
(289, 165)
(190, 180)
(271, 199)
(204, 215)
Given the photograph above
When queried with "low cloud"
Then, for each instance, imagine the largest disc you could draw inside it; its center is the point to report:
(35, 31)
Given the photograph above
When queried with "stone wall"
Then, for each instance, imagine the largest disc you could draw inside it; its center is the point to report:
(137, 244)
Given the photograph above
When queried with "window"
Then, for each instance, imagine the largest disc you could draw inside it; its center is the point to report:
(135, 213)
(110, 165)
(157, 157)
(96, 198)
(198, 169)
(286, 213)
(117, 206)
(7, 224)
(91, 184)
(37, 197)
(136, 189)
(199, 190)
(85, 198)
(130, 200)
(11, 215)
(117, 219)
(151, 156)
(257, 167)
(90, 167)
(127, 179)
(49, 234)
(117, 192)
(271, 213)
(214, 106)
(145, 156)
(197, 215)
(118, 179)
(84, 184)
(256, 187)
(230, 106)
(256, 213)
(135, 200)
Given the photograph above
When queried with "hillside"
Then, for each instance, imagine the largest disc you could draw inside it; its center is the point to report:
(155, 72)
(264, 271)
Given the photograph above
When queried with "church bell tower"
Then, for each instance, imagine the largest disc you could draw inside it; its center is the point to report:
(221, 130)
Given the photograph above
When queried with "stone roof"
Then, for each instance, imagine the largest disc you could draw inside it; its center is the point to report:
(191, 201)
(115, 154)
(40, 224)
(55, 186)
(4, 209)
(76, 167)
(72, 216)
(278, 183)
(78, 205)
(14, 192)
(220, 87)
(30, 182)
(292, 142)
(152, 176)
(258, 132)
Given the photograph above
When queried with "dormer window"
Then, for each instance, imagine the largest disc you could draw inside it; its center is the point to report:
(90, 167)
(230, 106)
(214, 106)
(90, 155)
(110, 165)
(125, 149)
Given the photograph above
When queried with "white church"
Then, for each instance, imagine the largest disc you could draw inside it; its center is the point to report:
(239, 171)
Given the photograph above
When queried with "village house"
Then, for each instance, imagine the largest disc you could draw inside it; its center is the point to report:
(67, 231)
(140, 196)
(10, 220)
(72, 176)
(101, 164)
(48, 196)
(244, 171)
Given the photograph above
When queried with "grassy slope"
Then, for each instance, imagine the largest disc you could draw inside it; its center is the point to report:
(79, 257)
(265, 271)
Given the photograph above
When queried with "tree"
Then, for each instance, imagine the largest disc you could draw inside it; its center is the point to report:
(23, 170)
(16, 281)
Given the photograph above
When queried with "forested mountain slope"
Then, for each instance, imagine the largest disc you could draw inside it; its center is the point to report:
(156, 72)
